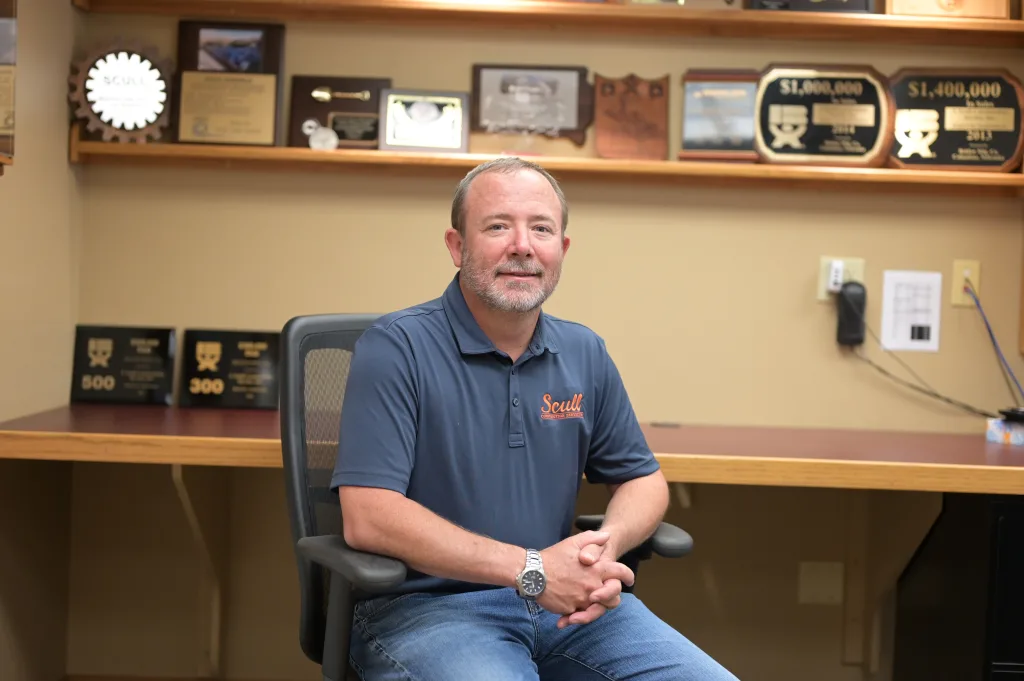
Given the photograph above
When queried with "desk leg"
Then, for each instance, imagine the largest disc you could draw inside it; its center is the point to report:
(204, 495)
(855, 515)
(896, 524)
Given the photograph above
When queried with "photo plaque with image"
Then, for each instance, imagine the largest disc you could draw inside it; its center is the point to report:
(123, 365)
(554, 101)
(424, 120)
(8, 64)
(230, 83)
(719, 115)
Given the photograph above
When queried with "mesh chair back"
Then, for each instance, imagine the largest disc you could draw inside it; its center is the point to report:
(316, 351)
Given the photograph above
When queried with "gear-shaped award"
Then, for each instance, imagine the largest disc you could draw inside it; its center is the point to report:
(123, 92)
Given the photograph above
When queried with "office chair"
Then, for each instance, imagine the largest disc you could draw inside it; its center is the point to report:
(315, 355)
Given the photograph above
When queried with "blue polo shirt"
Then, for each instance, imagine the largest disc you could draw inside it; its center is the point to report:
(434, 411)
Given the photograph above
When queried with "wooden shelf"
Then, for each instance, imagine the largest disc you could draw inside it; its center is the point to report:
(590, 17)
(748, 455)
(747, 175)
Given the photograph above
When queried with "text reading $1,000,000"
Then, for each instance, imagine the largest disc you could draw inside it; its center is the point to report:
(839, 88)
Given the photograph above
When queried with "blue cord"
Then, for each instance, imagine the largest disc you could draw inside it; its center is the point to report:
(969, 289)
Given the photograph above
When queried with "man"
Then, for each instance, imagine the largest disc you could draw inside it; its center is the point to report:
(468, 424)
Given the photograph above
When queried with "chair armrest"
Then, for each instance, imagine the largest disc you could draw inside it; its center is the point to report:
(368, 572)
(668, 540)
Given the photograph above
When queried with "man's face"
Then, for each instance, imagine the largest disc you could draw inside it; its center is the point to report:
(511, 255)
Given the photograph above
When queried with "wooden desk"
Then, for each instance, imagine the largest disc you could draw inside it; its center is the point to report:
(802, 457)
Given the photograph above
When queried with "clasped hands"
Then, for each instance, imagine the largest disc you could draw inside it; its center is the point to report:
(584, 578)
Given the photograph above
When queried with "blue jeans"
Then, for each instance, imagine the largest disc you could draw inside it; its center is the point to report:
(494, 635)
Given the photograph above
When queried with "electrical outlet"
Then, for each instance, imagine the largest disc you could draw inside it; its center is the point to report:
(853, 270)
(820, 583)
(962, 270)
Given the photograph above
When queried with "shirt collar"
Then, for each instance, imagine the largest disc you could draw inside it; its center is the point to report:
(469, 335)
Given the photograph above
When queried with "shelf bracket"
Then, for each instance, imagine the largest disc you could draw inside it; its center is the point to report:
(204, 495)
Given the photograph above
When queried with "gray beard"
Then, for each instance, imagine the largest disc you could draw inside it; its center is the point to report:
(508, 296)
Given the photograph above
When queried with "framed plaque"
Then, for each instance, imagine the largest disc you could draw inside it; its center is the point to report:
(689, 4)
(424, 120)
(957, 119)
(831, 115)
(230, 369)
(230, 84)
(332, 112)
(977, 9)
(123, 365)
(631, 117)
(844, 6)
(719, 115)
(556, 101)
(8, 62)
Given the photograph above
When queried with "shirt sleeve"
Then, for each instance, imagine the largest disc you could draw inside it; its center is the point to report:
(377, 437)
(618, 448)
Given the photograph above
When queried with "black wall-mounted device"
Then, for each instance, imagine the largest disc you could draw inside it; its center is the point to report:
(850, 303)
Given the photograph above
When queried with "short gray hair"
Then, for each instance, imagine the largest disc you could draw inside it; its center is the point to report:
(502, 164)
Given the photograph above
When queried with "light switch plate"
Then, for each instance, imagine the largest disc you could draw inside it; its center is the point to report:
(853, 270)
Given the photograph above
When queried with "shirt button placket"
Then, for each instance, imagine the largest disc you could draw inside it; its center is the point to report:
(515, 412)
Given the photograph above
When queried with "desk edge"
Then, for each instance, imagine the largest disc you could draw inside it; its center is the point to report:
(691, 468)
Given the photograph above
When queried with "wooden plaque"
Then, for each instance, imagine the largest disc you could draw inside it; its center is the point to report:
(824, 115)
(978, 9)
(957, 119)
(230, 83)
(349, 107)
(631, 117)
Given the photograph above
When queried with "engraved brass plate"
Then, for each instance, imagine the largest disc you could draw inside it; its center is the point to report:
(834, 115)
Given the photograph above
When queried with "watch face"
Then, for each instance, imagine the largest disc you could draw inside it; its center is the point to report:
(533, 583)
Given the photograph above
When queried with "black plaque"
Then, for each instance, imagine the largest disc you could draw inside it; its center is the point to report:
(828, 115)
(123, 365)
(843, 6)
(229, 369)
(957, 119)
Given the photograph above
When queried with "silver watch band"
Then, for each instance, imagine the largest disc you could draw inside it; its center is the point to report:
(533, 561)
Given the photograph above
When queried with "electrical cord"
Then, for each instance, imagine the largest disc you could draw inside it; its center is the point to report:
(926, 390)
(1004, 366)
(930, 393)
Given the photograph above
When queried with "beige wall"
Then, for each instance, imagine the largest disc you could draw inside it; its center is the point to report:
(706, 299)
(39, 221)
(721, 282)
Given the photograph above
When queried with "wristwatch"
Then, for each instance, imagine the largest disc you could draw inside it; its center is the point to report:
(531, 581)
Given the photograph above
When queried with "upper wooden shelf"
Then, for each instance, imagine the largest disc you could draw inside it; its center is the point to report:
(591, 17)
(800, 457)
(747, 175)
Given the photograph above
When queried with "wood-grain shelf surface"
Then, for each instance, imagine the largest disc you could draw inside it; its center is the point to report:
(683, 172)
(801, 457)
(588, 17)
